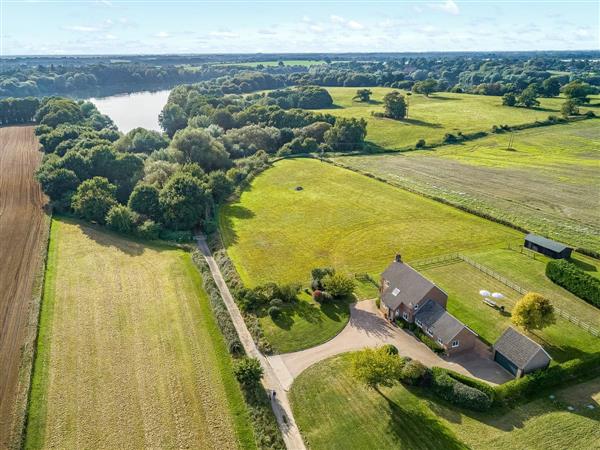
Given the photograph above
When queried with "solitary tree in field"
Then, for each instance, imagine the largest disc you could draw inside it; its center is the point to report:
(569, 108)
(533, 312)
(509, 99)
(363, 95)
(578, 91)
(395, 105)
(528, 97)
(376, 367)
(425, 87)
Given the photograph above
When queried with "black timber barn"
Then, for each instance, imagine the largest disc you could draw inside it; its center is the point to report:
(547, 247)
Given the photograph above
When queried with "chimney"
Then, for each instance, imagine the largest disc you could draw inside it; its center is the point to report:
(398, 257)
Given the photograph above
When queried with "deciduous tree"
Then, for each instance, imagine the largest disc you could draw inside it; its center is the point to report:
(533, 312)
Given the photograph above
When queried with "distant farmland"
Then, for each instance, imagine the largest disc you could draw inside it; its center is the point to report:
(23, 235)
(129, 354)
(548, 183)
(430, 118)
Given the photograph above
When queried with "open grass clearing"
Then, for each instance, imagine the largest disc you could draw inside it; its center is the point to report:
(430, 118)
(305, 323)
(462, 282)
(275, 63)
(129, 354)
(340, 219)
(548, 184)
(334, 411)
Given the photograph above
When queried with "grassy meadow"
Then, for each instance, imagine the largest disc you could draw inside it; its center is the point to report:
(548, 182)
(129, 354)
(287, 62)
(430, 118)
(340, 219)
(334, 411)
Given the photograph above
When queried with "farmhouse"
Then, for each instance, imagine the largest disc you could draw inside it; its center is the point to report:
(547, 247)
(519, 354)
(406, 293)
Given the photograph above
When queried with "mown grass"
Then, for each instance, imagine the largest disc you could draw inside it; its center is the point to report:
(547, 183)
(129, 354)
(334, 411)
(430, 118)
(462, 282)
(339, 219)
(305, 323)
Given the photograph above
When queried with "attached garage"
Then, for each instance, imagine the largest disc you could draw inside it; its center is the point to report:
(519, 354)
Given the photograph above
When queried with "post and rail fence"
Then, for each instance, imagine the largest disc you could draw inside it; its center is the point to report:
(451, 258)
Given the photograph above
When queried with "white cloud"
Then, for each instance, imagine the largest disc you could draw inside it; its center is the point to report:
(317, 28)
(162, 34)
(337, 19)
(224, 34)
(449, 6)
(355, 25)
(110, 36)
(81, 28)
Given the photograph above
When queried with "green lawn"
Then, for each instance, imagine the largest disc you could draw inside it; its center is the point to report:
(431, 117)
(333, 411)
(305, 324)
(547, 184)
(129, 355)
(462, 282)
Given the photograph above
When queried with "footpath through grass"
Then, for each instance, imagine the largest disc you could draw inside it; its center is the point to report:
(129, 354)
(430, 118)
(547, 183)
(334, 411)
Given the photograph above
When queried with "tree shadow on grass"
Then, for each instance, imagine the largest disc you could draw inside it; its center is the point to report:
(583, 265)
(338, 310)
(562, 353)
(301, 308)
(417, 430)
(103, 236)
(226, 217)
(420, 123)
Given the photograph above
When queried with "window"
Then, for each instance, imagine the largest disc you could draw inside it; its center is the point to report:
(419, 323)
(405, 316)
(416, 306)
(395, 292)
(439, 341)
(429, 331)
(455, 344)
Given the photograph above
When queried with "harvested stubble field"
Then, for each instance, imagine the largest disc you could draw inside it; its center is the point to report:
(548, 183)
(23, 235)
(129, 354)
(430, 118)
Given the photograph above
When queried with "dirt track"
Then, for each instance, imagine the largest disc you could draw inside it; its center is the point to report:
(22, 238)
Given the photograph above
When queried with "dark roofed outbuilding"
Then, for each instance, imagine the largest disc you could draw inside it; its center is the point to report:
(519, 354)
(547, 246)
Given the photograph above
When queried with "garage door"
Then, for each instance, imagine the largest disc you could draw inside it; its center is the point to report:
(506, 363)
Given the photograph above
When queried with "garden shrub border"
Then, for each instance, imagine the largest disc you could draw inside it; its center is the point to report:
(266, 429)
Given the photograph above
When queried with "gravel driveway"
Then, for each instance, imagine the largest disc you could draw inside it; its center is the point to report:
(367, 328)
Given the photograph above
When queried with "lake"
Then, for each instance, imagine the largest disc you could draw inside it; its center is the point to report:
(129, 111)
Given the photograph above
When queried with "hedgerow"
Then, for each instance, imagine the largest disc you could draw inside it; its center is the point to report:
(458, 393)
(574, 280)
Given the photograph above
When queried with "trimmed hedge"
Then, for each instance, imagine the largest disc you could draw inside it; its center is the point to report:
(574, 280)
(573, 371)
(459, 393)
(474, 383)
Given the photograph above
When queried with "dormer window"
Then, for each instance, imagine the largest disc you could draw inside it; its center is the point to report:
(395, 292)
(416, 306)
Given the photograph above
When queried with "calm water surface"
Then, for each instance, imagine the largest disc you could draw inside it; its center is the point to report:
(128, 111)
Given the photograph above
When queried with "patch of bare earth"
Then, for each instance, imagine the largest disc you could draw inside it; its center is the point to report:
(23, 235)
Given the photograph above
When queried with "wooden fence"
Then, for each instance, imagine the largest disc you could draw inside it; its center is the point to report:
(456, 257)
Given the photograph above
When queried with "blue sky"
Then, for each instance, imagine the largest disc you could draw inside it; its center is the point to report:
(136, 26)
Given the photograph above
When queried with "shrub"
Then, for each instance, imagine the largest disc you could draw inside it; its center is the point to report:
(472, 382)
(338, 285)
(574, 280)
(420, 143)
(248, 371)
(391, 349)
(378, 302)
(458, 393)
(428, 341)
(177, 236)
(573, 371)
(449, 138)
(148, 229)
(277, 302)
(121, 219)
(414, 373)
(274, 312)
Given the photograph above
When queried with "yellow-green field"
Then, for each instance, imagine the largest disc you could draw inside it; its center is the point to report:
(430, 118)
(334, 411)
(547, 183)
(340, 219)
(129, 354)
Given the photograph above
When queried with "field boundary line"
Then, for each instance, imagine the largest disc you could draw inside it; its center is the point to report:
(280, 403)
(561, 312)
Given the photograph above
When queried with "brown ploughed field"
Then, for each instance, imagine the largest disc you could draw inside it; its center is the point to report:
(23, 234)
